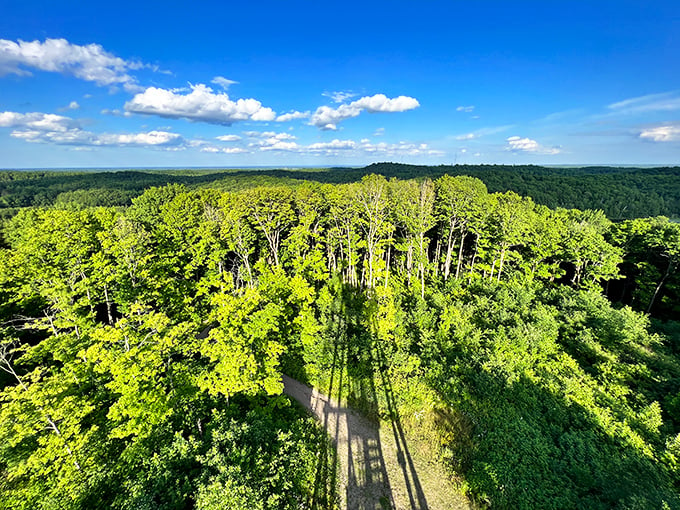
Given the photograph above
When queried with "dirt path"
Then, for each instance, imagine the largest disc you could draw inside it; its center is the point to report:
(376, 467)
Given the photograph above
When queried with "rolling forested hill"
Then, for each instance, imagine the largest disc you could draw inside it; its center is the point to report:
(622, 193)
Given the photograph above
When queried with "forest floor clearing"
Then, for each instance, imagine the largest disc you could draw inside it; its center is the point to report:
(376, 468)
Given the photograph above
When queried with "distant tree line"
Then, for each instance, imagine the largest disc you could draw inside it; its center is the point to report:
(622, 193)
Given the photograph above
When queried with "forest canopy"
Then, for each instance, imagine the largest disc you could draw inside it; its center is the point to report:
(622, 193)
(531, 345)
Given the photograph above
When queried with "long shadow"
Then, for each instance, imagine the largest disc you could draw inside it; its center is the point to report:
(367, 483)
(373, 476)
(368, 486)
(325, 481)
(413, 486)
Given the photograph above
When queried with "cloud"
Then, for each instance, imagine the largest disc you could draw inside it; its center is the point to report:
(279, 145)
(381, 103)
(229, 138)
(333, 145)
(379, 132)
(73, 105)
(466, 109)
(82, 138)
(340, 97)
(399, 149)
(115, 112)
(670, 133)
(294, 115)
(90, 63)
(351, 148)
(38, 127)
(225, 150)
(151, 138)
(271, 141)
(37, 121)
(201, 105)
(327, 118)
(467, 136)
(483, 132)
(267, 141)
(269, 134)
(667, 101)
(223, 82)
(517, 144)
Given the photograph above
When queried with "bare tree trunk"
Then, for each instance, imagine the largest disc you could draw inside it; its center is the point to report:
(500, 267)
(449, 250)
(460, 254)
(108, 305)
(474, 256)
(409, 262)
(658, 287)
(387, 264)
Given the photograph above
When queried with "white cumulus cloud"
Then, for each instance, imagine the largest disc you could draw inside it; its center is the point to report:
(381, 103)
(151, 138)
(224, 150)
(399, 149)
(466, 109)
(82, 138)
(333, 145)
(670, 133)
(39, 127)
(272, 141)
(229, 138)
(292, 116)
(37, 121)
(201, 104)
(518, 144)
(90, 62)
(327, 118)
(269, 134)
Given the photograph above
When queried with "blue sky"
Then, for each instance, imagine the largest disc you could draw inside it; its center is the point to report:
(116, 84)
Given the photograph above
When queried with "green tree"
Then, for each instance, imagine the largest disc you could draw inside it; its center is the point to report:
(371, 196)
(413, 206)
(458, 200)
(272, 212)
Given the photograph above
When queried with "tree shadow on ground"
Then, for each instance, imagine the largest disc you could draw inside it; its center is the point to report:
(359, 377)
(415, 490)
(351, 381)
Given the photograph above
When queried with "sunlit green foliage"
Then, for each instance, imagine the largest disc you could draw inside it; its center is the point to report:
(142, 348)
